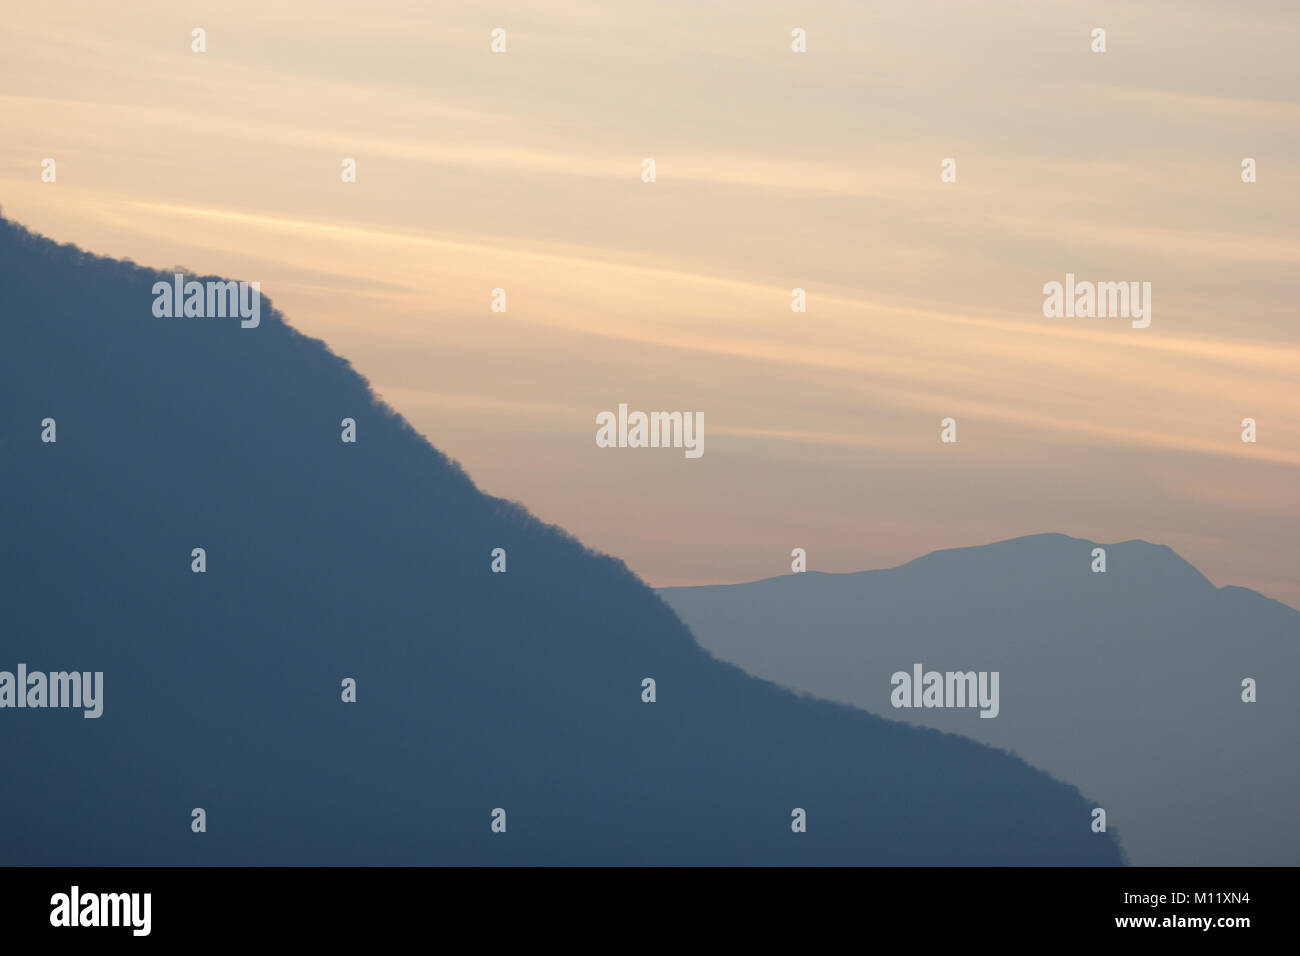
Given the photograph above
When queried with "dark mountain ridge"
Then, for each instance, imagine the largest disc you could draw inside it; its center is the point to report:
(371, 561)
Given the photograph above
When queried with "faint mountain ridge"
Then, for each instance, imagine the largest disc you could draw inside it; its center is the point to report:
(1136, 551)
(1101, 675)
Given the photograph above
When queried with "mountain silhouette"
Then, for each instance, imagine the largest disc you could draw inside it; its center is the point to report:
(1127, 683)
(371, 560)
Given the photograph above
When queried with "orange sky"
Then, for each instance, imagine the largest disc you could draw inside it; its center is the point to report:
(775, 170)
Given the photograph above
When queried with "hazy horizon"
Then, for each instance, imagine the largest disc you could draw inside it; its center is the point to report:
(775, 171)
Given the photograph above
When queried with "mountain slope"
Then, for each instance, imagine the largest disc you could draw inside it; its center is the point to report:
(1126, 683)
(371, 561)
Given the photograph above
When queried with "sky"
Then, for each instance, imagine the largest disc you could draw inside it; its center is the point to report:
(775, 170)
